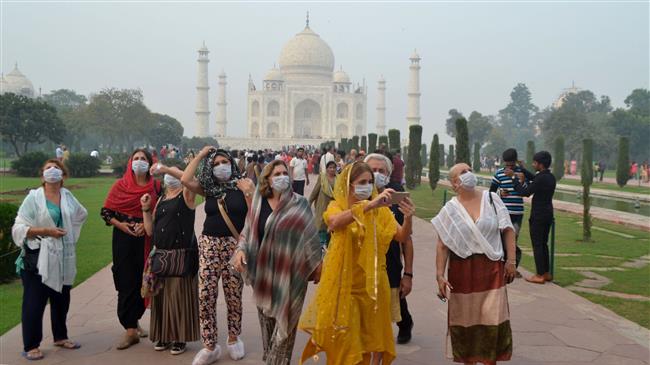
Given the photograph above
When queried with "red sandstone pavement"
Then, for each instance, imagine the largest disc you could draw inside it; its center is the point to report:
(550, 325)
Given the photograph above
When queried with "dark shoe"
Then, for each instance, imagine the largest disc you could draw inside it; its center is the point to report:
(404, 334)
(161, 346)
(177, 348)
(518, 275)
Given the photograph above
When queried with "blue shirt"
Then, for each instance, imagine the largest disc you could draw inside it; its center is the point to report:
(513, 200)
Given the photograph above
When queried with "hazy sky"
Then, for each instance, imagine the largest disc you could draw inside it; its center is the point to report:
(472, 53)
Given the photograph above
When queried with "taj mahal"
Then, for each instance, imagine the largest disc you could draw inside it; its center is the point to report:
(303, 100)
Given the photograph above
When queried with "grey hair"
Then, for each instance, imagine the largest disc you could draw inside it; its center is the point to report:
(383, 158)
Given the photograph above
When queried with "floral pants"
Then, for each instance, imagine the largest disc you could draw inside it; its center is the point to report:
(214, 258)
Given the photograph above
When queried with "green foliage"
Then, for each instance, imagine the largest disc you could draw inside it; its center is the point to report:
(119, 163)
(83, 165)
(197, 143)
(587, 176)
(364, 143)
(423, 158)
(25, 121)
(434, 163)
(372, 142)
(451, 158)
(516, 119)
(479, 128)
(394, 140)
(530, 152)
(8, 251)
(413, 158)
(634, 123)
(29, 164)
(71, 108)
(477, 158)
(344, 145)
(450, 123)
(355, 143)
(558, 158)
(383, 141)
(441, 154)
(166, 130)
(462, 142)
(623, 164)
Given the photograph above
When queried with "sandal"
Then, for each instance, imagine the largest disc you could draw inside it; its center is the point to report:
(67, 344)
(34, 354)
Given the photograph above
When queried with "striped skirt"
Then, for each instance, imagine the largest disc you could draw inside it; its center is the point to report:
(479, 317)
(175, 311)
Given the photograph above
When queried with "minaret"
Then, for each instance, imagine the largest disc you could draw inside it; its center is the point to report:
(413, 113)
(221, 106)
(202, 87)
(381, 107)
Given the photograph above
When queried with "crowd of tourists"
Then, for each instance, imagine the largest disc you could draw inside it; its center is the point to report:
(351, 237)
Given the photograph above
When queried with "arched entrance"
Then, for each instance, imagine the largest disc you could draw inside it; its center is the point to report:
(341, 131)
(307, 119)
(273, 130)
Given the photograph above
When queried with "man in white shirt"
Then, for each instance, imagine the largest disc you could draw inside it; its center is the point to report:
(326, 157)
(59, 153)
(94, 154)
(298, 172)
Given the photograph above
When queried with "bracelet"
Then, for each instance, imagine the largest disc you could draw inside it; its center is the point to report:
(147, 210)
(409, 274)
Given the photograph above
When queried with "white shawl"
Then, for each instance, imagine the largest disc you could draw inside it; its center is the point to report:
(465, 237)
(57, 258)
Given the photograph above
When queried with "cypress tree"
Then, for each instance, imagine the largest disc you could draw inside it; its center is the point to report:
(434, 163)
(451, 159)
(558, 158)
(413, 161)
(462, 142)
(383, 140)
(441, 155)
(587, 177)
(355, 143)
(344, 145)
(372, 142)
(364, 143)
(393, 140)
(423, 161)
(623, 164)
(477, 158)
(530, 152)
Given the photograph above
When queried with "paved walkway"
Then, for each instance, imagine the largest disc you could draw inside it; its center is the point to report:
(550, 325)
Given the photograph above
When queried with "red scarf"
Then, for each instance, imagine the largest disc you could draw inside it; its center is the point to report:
(124, 197)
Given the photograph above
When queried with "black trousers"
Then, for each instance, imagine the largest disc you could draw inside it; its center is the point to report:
(407, 320)
(35, 297)
(299, 187)
(128, 264)
(540, 227)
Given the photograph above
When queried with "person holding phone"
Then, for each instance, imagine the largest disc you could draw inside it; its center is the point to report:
(131, 245)
(400, 282)
(469, 229)
(350, 316)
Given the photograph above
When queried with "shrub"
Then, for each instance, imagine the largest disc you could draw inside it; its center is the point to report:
(434, 163)
(413, 157)
(530, 152)
(383, 140)
(450, 156)
(29, 164)
(558, 158)
(477, 157)
(364, 143)
(462, 142)
(8, 251)
(119, 163)
(372, 142)
(623, 164)
(394, 140)
(83, 165)
(587, 177)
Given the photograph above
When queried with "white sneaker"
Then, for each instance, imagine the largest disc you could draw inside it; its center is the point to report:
(236, 350)
(206, 357)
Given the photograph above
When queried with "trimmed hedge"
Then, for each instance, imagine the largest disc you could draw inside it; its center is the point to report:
(8, 251)
(29, 164)
(83, 165)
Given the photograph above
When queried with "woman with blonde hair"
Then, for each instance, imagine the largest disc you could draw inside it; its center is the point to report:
(47, 229)
(469, 229)
(350, 317)
(278, 253)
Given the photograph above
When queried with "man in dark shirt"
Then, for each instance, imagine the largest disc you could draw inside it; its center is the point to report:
(542, 189)
(400, 285)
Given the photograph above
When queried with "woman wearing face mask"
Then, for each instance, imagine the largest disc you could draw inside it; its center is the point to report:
(174, 309)
(469, 229)
(279, 252)
(47, 229)
(227, 200)
(123, 211)
(350, 317)
(321, 196)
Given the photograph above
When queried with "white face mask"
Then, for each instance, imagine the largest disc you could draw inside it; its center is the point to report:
(140, 167)
(172, 182)
(363, 192)
(52, 175)
(381, 180)
(468, 180)
(280, 183)
(222, 172)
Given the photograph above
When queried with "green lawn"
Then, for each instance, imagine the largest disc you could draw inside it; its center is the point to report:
(93, 249)
(606, 250)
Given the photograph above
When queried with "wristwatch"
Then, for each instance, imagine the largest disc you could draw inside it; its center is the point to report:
(410, 274)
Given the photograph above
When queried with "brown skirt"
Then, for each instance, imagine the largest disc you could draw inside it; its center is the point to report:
(175, 311)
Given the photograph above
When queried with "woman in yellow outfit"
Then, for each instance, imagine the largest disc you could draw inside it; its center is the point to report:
(349, 318)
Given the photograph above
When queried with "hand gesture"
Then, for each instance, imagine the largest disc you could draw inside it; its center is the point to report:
(240, 262)
(145, 201)
(246, 185)
(126, 227)
(157, 169)
(443, 288)
(205, 151)
(138, 229)
(382, 200)
(508, 172)
(56, 232)
(511, 272)
(405, 286)
(407, 207)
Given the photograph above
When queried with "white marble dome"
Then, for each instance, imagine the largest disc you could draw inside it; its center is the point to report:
(306, 51)
(15, 82)
(341, 77)
(274, 74)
